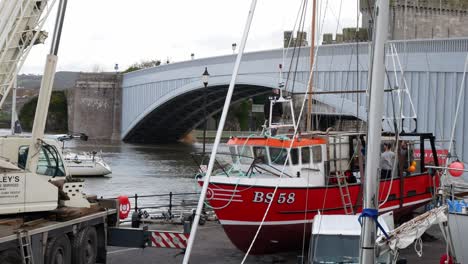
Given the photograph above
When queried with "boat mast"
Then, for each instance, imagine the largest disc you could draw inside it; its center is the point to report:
(201, 201)
(372, 175)
(312, 57)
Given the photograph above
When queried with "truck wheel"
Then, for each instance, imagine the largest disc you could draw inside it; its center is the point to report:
(10, 256)
(85, 246)
(58, 250)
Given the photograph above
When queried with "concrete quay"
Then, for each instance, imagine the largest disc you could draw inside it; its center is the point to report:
(213, 246)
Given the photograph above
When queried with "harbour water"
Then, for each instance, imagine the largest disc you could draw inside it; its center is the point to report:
(141, 169)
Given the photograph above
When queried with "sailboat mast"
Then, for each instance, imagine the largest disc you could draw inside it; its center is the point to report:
(219, 132)
(372, 175)
(312, 57)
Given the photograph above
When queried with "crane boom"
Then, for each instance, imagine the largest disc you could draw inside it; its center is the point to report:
(20, 29)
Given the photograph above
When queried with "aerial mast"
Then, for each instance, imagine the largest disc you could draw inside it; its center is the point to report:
(312, 57)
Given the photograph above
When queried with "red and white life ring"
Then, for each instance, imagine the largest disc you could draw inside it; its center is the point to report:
(124, 206)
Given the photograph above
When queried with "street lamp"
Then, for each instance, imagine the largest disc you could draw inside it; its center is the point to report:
(192, 56)
(205, 79)
(234, 45)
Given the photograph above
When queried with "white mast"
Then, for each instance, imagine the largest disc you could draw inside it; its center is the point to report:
(372, 175)
(13, 105)
(218, 134)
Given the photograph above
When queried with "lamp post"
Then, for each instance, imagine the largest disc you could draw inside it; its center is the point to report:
(205, 78)
(192, 56)
(234, 45)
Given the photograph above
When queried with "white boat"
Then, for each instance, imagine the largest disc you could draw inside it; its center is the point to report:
(86, 164)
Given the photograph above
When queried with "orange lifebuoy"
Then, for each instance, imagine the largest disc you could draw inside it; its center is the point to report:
(124, 206)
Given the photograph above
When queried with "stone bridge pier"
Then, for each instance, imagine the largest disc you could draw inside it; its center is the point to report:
(95, 105)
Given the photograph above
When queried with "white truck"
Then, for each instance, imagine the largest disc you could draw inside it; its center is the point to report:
(44, 215)
(336, 238)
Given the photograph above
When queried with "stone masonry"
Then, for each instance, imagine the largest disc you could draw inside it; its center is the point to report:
(95, 105)
(423, 19)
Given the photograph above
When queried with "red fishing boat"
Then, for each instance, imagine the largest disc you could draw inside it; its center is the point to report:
(281, 182)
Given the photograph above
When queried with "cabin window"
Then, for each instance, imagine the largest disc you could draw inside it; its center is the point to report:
(245, 154)
(317, 154)
(294, 156)
(22, 156)
(305, 155)
(49, 163)
(278, 155)
(260, 153)
(232, 150)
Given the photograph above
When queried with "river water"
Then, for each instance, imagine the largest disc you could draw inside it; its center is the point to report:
(142, 169)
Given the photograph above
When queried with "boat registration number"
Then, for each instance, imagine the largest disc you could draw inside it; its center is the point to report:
(261, 197)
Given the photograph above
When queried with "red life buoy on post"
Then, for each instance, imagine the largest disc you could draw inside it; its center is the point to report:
(124, 206)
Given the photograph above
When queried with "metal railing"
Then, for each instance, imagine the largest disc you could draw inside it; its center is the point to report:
(162, 208)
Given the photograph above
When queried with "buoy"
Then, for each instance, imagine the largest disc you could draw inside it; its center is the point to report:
(412, 168)
(413, 163)
(456, 168)
(446, 259)
(124, 206)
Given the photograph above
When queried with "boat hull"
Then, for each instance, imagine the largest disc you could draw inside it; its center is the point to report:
(87, 168)
(241, 207)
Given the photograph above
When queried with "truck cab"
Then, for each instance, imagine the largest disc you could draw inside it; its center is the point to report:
(23, 190)
(336, 238)
(14, 149)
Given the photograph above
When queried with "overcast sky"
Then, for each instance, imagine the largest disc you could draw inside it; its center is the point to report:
(100, 33)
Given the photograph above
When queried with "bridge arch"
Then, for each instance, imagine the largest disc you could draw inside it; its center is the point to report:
(433, 69)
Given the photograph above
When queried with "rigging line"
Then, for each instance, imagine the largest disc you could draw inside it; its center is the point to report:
(282, 171)
(285, 49)
(460, 95)
(336, 32)
(298, 47)
(405, 83)
(394, 165)
(219, 131)
(304, 231)
(357, 63)
(433, 93)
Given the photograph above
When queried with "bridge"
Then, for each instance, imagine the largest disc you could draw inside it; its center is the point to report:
(166, 102)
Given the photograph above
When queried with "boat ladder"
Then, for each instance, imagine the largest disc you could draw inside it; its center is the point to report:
(24, 240)
(340, 176)
(344, 192)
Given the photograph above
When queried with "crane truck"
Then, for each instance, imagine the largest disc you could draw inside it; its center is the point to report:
(45, 218)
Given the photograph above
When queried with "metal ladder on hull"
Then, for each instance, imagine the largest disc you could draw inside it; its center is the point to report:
(24, 240)
(344, 192)
(341, 180)
(20, 29)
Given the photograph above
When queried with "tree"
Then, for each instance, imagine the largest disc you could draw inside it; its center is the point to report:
(143, 65)
(57, 117)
